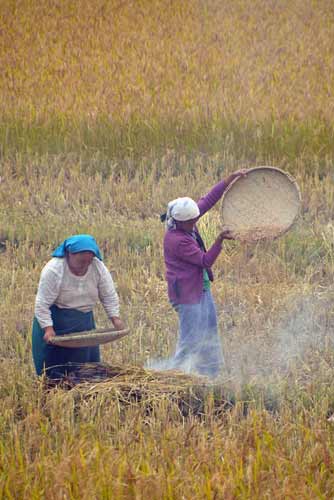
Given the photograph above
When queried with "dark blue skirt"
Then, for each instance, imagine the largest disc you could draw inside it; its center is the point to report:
(53, 359)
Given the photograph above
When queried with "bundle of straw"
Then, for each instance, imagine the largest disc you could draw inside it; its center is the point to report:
(132, 385)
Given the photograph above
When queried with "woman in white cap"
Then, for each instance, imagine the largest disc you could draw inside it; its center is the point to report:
(189, 276)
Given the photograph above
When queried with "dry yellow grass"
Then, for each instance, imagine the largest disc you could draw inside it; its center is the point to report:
(121, 77)
(167, 58)
(109, 110)
(276, 317)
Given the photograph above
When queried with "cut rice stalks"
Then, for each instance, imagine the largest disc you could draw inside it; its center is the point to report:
(131, 385)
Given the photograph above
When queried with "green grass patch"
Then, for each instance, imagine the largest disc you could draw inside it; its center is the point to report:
(248, 141)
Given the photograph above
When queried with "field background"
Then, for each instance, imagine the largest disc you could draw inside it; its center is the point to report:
(109, 109)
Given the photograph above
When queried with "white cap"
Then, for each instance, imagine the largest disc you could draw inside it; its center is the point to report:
(183, 209)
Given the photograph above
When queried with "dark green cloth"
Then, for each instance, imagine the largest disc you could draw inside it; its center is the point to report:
(206, 280)
(53, 358)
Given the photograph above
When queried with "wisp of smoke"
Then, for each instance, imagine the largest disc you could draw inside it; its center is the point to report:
(305, 328)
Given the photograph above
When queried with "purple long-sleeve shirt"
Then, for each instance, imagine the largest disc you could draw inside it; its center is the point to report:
(185, 260)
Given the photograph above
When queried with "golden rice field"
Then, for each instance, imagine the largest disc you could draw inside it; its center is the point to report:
(108, 110)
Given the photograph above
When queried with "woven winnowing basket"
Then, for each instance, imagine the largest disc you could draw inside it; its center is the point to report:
(88, 339)
(262, 205)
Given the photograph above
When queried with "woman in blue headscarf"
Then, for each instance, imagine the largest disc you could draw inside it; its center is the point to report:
(70, 285)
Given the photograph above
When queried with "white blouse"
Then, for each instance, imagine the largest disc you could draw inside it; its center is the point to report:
(59, 286)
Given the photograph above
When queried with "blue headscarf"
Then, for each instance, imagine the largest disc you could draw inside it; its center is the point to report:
(78, 243)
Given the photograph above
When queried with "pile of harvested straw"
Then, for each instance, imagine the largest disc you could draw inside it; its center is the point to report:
(132, 385)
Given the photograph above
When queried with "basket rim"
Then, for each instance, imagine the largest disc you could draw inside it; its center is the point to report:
(89, 335)
(265, 168)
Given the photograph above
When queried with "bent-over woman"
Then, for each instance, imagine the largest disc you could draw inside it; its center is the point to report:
(70, 285)
(189, 276)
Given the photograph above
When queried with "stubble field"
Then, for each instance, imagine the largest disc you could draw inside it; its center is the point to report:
(108, 110)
